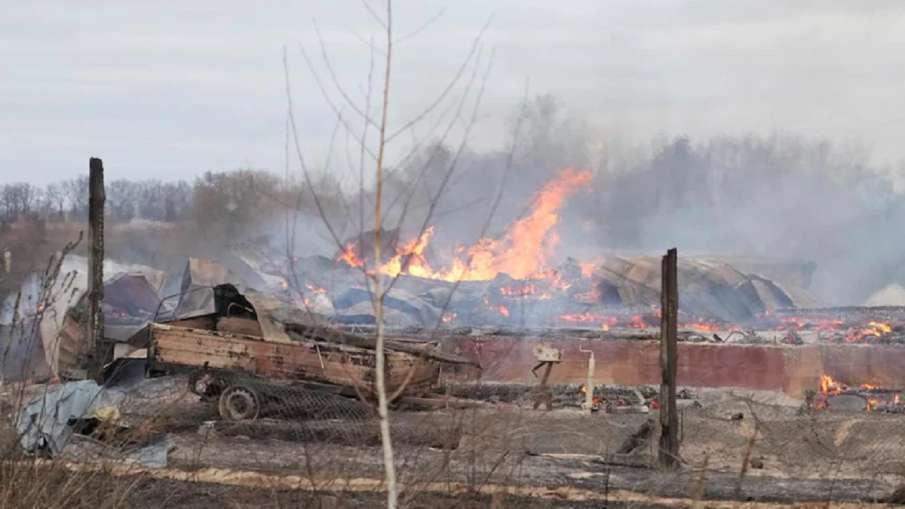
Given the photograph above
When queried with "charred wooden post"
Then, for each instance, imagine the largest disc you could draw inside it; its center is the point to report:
(668, 453)
(96, 197)
(546, 357)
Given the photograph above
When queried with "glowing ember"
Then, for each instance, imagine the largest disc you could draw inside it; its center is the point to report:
(818, 324)
(527, 290)
(701, 326)
(872, 330)
(350, 256)
(637, 322)
(503, 310)
(872, 404)
(409, 257)
(829, 386)
(315, 289)
(587, 268)
(583, 391)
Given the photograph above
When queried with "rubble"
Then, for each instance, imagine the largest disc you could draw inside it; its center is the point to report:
(83, 420)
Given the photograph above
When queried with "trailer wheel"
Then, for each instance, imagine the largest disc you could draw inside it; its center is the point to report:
(239, 403)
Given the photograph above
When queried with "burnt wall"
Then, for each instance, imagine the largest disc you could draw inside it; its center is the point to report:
(791, 369)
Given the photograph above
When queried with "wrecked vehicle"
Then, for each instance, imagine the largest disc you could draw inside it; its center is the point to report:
(249, 349)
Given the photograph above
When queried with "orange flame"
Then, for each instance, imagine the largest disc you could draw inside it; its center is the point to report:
(873, 329)
(315, 289)
(829, 386)
(702, 326)
(350, 256)
(587, 267)
(637, 322)
(522, 252)
(410, 257)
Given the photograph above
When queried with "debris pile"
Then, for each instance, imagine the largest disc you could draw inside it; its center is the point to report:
(838, 396)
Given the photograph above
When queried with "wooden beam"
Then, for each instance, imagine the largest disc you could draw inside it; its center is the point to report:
(96, 199)
(668, 453)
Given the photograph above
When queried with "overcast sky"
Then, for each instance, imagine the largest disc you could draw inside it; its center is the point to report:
(172, 89)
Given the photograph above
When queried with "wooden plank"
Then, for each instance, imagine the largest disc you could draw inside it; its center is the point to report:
(328, 362)
(239, 326)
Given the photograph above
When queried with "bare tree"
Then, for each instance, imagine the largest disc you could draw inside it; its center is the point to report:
(372, 141)
(55, 198)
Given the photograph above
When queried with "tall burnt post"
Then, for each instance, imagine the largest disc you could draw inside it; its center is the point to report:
(96, 198)
(668, 453)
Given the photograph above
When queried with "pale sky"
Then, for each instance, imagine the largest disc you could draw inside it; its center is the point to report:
(172, 89)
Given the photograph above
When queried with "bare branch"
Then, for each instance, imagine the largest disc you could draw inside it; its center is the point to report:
(301, 158)
(336, 110)
(453, 164)
(474, 48)
(510, 158)
(423, 27)
(336, 83)
(383, 24)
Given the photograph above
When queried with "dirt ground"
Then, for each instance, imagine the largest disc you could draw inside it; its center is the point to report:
(735, 446)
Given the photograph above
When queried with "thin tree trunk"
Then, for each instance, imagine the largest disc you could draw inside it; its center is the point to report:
(386, 441)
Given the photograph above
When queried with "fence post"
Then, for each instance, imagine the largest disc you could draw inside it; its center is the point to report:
(668, 452)
(96, 198)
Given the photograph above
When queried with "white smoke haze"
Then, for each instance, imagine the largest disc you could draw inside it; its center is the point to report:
(760, 128)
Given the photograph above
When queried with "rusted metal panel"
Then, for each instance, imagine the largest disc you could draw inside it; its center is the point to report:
(630, 362)
(299, 360)
(788, 368)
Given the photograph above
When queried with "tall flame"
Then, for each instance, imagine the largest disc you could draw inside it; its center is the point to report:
(522, 252)
(410, 257)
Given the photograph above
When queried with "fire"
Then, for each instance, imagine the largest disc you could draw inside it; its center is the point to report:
(637, 322)
(409, 257)
(829, 386)
(350, 256)
(503, 310)
(448, 317)
(702, 326)
(819, 324)
(583, 391)
(593, 318)
(587, 267)
(315, 289)
(522, 252)
(872, 330)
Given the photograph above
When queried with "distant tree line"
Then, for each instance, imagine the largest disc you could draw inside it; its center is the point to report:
(238, 195)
